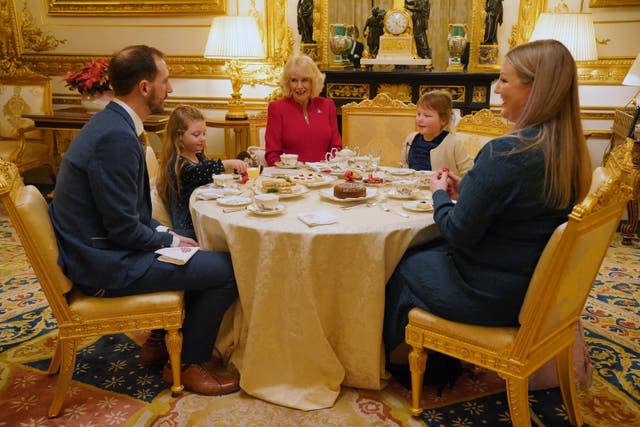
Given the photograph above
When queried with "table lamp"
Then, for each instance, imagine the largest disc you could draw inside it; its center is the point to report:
(234, 38)
(633, 79)
(574, 30)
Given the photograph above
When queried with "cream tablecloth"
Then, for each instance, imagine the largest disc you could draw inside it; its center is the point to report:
(311, 306)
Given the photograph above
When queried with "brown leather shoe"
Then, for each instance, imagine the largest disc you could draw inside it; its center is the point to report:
(154, 350)
(204, 378)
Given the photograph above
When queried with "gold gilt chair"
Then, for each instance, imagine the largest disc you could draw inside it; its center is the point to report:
(80, 316)
(20, 142)
(159, 210)
(551, 310)
(379, 122)
(476, 129)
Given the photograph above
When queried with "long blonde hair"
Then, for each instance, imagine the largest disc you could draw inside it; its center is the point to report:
(179, 121)
(554, 105)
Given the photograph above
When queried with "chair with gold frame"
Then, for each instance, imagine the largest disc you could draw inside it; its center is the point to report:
(621, 125)
(381, 122)
(80, 316)
(476, 129)
(20, 142)
(551, 310)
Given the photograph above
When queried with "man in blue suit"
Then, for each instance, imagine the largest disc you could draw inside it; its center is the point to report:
(101, 215)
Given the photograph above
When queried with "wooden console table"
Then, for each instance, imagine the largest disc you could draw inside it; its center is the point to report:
(73, 118)
(470, 91)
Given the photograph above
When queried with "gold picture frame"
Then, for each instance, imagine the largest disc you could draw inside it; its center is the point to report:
(612, 3)
(604, 71)
(135, 7)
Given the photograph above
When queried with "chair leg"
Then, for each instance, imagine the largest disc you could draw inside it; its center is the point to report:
(628, 230)
(55, 360)
(173, 339)
(417, 363)
(67, 349)
(518, 397)
(566, 377)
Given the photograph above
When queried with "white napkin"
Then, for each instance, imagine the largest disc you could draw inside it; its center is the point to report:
(178, 256)
(208, 193)
(317, 218)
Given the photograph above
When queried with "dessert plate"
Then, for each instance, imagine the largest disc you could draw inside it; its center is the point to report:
(296, 191)
(234, 201)
(280, 208)
(327, 193)
(400, 171)
(392, 193)
(317, 181)
(418, 206)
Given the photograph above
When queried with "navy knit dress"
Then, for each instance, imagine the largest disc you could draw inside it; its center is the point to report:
(491, 241)
(192, 176)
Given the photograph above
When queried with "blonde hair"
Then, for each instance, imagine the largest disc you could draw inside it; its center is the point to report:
(308, 68)
(439, 101)
(553, 104)
(179, 120)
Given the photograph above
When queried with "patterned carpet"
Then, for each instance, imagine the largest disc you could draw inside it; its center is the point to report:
(111, 387)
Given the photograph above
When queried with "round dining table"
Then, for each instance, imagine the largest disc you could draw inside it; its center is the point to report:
(311, 297)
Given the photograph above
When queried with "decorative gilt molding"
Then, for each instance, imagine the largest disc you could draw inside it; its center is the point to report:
(381, 101)
(348, 91)
(479, 95)
(401, 92)
(604, 71)
(484, 122)
(458, 93)
(278, 39)
(136, 7)
(34, 38)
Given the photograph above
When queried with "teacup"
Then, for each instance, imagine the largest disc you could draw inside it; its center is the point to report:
(289, 159)
(266, 202)
(222, 179)
(405, 187)
(424, 177)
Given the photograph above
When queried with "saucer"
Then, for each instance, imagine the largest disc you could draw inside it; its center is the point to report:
(281, 165)
(280, 208)
(234, 201)
(418, 206)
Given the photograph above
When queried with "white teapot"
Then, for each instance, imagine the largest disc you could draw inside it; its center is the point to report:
(341, 156)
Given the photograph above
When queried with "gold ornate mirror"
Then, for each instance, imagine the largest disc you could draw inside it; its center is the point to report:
(355, 12)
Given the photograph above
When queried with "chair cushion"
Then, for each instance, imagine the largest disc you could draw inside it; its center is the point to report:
(89, 307)
(493, 337)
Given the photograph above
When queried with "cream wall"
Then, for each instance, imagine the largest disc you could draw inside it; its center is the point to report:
(186, 35)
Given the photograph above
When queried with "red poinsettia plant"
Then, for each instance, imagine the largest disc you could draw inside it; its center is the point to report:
(91, 78)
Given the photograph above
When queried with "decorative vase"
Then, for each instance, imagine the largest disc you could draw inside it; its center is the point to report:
(96, 102)
(456, 42)
(340, 42)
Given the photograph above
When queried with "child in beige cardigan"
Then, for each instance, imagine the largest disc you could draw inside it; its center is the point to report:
(433, 147)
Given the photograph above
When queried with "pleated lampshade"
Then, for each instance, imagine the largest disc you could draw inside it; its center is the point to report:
(633, 75)
(574, 30)
(234, 37)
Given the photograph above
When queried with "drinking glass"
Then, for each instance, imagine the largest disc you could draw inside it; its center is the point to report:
(375, 152)
(253, 172)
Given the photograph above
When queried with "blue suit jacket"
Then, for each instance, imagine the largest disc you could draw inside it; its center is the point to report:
(101, 212)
